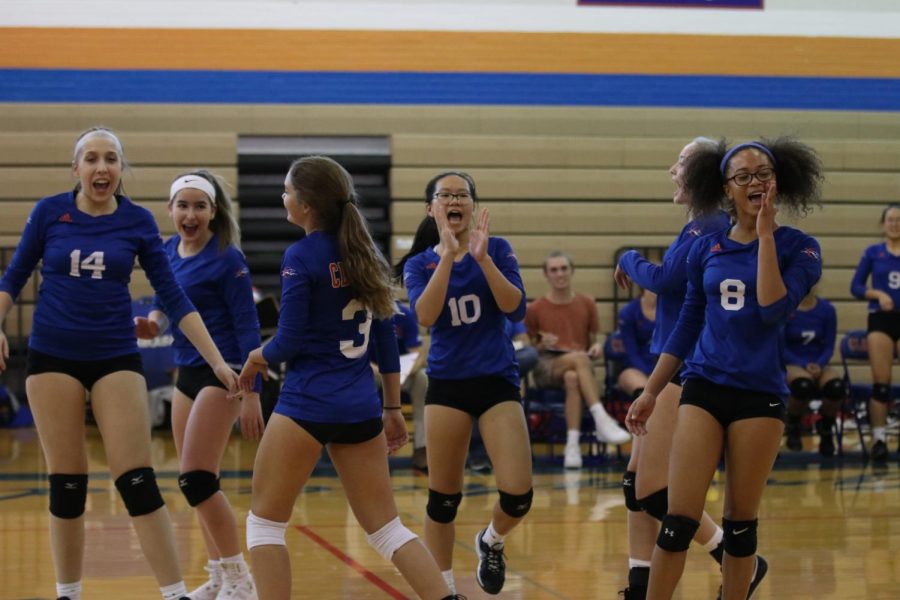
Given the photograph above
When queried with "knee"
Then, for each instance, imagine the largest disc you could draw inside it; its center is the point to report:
(881, 392)
(656, 504)
(803, 389)
(834, 390)
(197, 486)
(441, 508)
(570, 380)
(516, 505)
(139, 491)
(582, 361)
(68, 495)
(739, 537)
(628, 488)
(390, 538)
(676, 533)
(263, 532)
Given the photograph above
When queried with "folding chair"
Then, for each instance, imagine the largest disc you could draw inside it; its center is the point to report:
(855, 350)
(615, 399)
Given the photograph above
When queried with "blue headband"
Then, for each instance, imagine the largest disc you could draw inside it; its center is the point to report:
(743, 146)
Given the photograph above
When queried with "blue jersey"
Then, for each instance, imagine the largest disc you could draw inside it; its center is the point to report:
(738, 342)
(809, 335)
(406, 326)
(884, 268)
(84, 307)
(636, 332)
(323, 336)
(669, 279)
(468, 338)
(218, 284)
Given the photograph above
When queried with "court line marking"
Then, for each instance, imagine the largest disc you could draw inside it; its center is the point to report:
(348, 560)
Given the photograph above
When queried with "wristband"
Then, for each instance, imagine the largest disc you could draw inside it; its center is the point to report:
(391, 407)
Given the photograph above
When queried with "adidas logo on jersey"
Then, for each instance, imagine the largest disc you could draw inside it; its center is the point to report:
(716, 248)
(66, 218)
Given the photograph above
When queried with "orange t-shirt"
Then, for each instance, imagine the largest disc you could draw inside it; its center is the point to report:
(573, 323)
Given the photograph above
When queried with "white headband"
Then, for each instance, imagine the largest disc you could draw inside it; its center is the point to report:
(193, 182)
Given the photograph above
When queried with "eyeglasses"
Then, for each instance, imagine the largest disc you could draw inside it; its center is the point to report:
(447, 196)
(744, 179)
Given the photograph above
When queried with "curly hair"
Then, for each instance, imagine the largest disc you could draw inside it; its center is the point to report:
(798, 171)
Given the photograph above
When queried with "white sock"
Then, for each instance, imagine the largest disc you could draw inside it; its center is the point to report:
(174, 591)
(491, 537)
(634, 563)
(598, 412)
(573, 436)
(236, 559)
(879, 434)
(448, 579)
(714, 541)
(69, 590)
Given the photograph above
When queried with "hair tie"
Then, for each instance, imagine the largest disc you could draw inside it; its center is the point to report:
(743, 146)
(194, 182)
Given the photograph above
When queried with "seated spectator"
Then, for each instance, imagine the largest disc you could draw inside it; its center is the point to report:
(809, 336)
(636, 322)
(563, 326)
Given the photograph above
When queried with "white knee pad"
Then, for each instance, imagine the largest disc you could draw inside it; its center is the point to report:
(263, 532)
(390, 538)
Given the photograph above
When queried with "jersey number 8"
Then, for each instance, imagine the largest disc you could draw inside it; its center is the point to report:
(732, 292)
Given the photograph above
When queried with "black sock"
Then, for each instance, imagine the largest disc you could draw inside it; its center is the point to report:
(638, 577)
(717, 552)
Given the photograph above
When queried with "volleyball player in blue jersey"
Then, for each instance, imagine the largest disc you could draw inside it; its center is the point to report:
(336, 294)
(83, 339)
(646, 476)
(463, 289)
(882, 263)
(637, 321)
(214, 275)
(743, 282)
(809, 337)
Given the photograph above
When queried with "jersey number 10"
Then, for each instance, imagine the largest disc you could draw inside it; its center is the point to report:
(466, 309)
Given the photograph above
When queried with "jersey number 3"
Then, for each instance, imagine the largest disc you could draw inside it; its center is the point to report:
(356, 312)
(93, 263)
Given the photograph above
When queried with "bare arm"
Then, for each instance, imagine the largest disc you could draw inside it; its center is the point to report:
(770, 286)
(6, 304)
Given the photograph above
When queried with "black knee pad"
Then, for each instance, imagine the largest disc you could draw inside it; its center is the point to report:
(656, 504)
(881, 392)
(516, 505)
(441, 508)
(139, 491)
(197, 486)
(739, 537)
(834, 390)
(636, 393)
(68, 495)
(628, 482)
(676, 533)
(803, 388)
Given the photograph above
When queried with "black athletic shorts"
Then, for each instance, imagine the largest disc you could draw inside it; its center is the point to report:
(342, 433)
(191, 380)
(729, 404)
(88, 372)
(885, 322)
(475, 395)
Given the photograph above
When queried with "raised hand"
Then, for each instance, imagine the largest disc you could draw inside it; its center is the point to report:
(765, 219)
(622, 278)
(478, 237)
(449, 243)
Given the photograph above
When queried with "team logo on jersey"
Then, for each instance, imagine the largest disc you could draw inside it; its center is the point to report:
(288, 272)
(242, 272)
(810, 252)
(66, 218)
(695, 232)
(431, 266)
(716, 248)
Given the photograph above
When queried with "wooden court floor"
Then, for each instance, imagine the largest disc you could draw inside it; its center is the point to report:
(828, 530)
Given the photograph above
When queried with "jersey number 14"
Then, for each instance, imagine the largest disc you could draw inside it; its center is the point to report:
(93, 263)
